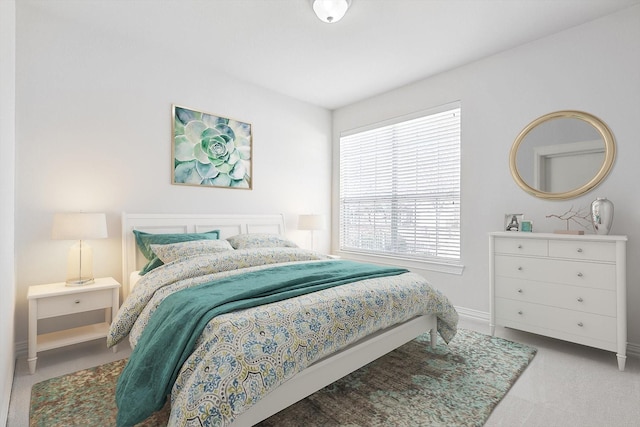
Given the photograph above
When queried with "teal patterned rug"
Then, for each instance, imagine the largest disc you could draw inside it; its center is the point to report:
(454, 385)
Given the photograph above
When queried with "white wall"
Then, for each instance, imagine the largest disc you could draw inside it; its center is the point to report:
(94, 133)
(593, 68)
(7, 174)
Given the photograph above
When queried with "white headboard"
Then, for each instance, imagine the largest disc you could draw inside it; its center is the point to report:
(229, 225)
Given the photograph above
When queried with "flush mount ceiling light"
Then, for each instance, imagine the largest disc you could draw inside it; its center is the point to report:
(330, 11)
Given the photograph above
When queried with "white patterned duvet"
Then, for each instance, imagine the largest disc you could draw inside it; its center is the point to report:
(242, 356)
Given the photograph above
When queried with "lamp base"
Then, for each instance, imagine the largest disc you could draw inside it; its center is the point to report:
(80, 282)
(80, 265)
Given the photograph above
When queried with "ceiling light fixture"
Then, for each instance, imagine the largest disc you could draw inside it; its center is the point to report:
(330, 11)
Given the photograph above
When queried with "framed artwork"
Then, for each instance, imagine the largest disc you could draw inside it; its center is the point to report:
(513, 222)
(209, 150)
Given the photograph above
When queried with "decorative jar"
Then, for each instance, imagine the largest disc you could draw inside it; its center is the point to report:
(602, 215)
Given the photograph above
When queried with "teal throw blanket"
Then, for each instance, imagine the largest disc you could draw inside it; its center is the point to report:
(179, 320)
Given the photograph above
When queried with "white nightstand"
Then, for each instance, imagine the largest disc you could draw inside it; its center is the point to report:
(56, 299)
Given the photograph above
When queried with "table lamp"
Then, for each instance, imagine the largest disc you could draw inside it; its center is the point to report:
(311, 223)
(79, 226)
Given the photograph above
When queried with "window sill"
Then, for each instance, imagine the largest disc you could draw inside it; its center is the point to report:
(440, 267)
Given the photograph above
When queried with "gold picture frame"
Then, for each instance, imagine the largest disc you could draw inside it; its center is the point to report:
(210, 150)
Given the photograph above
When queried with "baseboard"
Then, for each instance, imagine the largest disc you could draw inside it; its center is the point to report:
(6, 397)
(473, 314)
(4, 403)
(6, 386)
(22, 349)
(633, 350)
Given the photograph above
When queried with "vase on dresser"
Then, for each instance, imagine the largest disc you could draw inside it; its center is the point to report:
(602, 215)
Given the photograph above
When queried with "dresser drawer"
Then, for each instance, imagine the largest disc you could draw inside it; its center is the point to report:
(593, 251)
(518, 246)
(74, 303)
(587, 274)
(592, 326)
(588, 300)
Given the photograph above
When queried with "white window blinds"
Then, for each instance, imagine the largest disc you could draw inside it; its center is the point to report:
(400, 188)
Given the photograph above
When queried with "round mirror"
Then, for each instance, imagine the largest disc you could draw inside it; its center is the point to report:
(562, 155)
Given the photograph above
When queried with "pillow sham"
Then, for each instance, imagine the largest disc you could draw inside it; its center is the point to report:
(145, 240)
(260, 240)
(175, 251)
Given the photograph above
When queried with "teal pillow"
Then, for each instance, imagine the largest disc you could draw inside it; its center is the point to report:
(145, 240)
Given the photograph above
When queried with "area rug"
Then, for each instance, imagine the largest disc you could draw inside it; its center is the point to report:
(453, 385)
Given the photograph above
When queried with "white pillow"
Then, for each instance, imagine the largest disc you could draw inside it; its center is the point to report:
(175, 251)
(260, 240)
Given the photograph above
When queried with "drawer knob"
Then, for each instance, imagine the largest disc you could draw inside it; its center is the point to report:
(579, 274)
(520, 312)
(519, 246)
(580, 299)
(519, 291)
(580, 324)
(579, 250)
(519, 268)
(77, 301)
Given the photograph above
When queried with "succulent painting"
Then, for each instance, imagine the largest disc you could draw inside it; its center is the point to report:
(209, 150)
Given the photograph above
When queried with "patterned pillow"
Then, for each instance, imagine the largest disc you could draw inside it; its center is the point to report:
(174, 251)
(145, 240)
(260, 240)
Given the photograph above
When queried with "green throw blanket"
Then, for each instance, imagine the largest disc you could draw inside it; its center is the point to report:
(179, 320)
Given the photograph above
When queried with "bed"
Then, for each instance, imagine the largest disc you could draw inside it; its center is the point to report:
(305, 373)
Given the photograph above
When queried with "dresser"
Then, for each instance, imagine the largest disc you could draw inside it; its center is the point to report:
(570, 287)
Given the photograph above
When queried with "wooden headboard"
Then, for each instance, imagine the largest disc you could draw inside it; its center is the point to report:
(229, 225)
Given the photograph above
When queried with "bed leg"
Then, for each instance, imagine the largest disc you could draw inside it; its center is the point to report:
(434, 338)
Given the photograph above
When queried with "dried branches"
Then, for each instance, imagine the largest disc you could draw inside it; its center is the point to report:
(581, 217)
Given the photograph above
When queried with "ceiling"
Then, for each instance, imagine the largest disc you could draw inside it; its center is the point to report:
(379, 45)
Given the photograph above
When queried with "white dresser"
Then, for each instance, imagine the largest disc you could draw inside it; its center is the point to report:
(563, 286)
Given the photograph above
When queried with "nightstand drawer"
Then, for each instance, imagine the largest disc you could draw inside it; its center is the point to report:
(74, 303)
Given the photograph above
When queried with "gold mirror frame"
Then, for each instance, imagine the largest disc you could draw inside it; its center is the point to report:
(610, 154)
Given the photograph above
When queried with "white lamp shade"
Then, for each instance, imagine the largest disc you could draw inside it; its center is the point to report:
(330, 11)
(79, 226)
(311, 222)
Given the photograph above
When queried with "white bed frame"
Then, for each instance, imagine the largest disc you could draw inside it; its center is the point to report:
(318, 375)
(229, 225)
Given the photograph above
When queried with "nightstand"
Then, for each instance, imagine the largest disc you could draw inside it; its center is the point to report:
(56, 299)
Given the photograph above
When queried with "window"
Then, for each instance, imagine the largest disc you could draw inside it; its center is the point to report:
(400, 188)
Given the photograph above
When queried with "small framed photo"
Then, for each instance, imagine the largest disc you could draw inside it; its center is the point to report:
(526, 225)
(513, 222)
